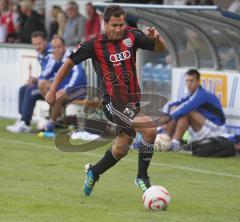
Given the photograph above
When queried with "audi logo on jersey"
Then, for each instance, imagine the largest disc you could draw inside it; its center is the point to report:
(120, 56)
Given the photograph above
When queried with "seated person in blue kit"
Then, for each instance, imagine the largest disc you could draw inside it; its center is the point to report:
(72, 87)
(76, 78)
(29, 93)
(200, 112)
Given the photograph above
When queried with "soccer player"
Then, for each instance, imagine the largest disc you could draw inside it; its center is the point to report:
(113, 56)
(200, 112)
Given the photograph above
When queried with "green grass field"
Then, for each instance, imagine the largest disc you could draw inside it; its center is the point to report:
(40, 183)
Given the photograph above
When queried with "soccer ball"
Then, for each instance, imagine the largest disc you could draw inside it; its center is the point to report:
(156, 198)
(162, 142)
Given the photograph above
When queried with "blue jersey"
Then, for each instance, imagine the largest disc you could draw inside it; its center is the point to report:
(201, 101)
(46, 63)
(75, 78)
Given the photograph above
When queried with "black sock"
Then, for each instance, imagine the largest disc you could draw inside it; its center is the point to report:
(107, 161)
(144, 158)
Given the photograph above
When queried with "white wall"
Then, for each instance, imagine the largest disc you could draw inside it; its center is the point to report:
(16, 66)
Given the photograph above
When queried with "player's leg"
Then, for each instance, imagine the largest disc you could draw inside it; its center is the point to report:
(44, 86)
(21, 97)
(170, 128)
(56, 110)
(193, 119)
(118, 150)
(182, 125)
(116, 113)
(201, 128)
(31, 95)
(196, 120)
(147, 128)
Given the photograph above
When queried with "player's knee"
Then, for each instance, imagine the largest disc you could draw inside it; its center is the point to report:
(119, 150)
(43, 86)
(149, 133)
(193, 113)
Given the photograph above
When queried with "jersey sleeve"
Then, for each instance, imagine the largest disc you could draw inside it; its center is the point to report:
(82, 52)
(48, 69)
(167, 107)
(196, 100)
(142, 41)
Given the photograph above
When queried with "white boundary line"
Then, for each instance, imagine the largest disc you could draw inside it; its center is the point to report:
(178, 167)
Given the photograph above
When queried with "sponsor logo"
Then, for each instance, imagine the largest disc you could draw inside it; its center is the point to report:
(216, 84)
(120, 56)
(127, 42)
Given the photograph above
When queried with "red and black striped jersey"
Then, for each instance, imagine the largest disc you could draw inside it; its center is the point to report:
(115, 63)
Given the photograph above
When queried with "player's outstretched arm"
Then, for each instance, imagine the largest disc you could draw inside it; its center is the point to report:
(153, 34)
(61, 74)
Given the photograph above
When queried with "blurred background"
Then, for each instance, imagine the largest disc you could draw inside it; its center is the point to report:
(202, 34)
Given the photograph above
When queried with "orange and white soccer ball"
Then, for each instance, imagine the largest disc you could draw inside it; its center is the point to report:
(156, 198)
(162, 142)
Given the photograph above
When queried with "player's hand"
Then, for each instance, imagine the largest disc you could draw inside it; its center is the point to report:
(50, 97)
(152, 33)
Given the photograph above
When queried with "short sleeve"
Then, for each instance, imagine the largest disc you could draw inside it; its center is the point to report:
(142, 41)
(82, 52)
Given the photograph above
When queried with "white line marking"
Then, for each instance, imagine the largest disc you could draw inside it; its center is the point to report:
(178, 167)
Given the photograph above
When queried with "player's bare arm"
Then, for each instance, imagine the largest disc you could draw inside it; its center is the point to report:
(153, 34)
(61, 74)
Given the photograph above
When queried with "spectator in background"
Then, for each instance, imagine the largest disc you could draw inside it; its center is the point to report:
(200, 112)
(39, 7)
(93, 23)
(29, 93)
(74, 29)
(15, 7)
(62, 21)
(56, 9)
(32, 23)
(8, 21)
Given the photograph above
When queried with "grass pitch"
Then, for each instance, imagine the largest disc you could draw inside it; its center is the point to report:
(40, 183)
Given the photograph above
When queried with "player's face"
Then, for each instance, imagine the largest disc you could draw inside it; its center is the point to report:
(58, 49)
(114, 27)
(40, 44)
(192, 83)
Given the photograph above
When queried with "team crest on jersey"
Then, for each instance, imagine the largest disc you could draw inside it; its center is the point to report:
(127, 42)
(76, 48)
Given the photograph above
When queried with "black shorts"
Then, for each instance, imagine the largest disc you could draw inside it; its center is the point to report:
(122, 115)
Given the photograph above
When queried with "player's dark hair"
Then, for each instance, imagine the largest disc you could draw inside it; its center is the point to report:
(193, 72)
(39, 34)
(113, 10)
